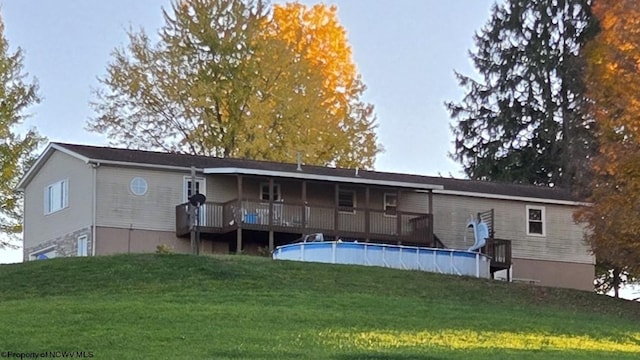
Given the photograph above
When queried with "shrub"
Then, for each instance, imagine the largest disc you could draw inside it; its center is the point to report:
(164, 249)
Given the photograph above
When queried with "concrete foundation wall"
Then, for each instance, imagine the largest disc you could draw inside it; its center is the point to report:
(554, 273)
(117, 241)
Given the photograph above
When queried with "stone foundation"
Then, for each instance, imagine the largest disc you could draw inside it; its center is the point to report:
(65, 245)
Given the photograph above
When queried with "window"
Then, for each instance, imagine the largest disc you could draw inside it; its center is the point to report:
(56, 196)
(82, 245)
(390, 204)
(138, 186)
(264, 192)
(535, 220)
(347, 200)
(200, 187)
(48, 253)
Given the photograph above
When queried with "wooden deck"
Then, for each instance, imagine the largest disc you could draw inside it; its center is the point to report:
(406, 228)
(347, 223)
(499, 251)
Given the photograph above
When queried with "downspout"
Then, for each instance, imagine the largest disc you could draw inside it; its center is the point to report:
(94, 197)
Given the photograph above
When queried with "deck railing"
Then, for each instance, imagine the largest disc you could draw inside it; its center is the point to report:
(212, 215)
(359, 223)
(500, 252)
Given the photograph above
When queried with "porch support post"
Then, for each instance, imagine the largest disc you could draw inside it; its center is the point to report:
(398, 218)
(430, 230)
(336, 219)
(239, 216)
(367, 220)
(192, 212)
(271, 214)
(304, 204)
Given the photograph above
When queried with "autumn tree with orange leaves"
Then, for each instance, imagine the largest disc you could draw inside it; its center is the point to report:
(237, 78)
(315, 35)
(613, 85)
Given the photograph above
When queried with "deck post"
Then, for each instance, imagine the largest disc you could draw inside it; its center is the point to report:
(192, 213)
(398, 218)
(304, 204)
(336, 219)
(271, 241)
(367, 220)
(238, 217)
(430, 230)
(271, 214)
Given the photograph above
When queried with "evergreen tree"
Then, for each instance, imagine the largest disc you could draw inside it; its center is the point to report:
(525, 120)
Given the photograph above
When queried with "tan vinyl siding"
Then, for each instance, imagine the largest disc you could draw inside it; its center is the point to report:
(321, 194)
(222, 188)
(562, 241)
(290, 190)
(119, 207)
(77, 215)
(414, 202)
(318, 194)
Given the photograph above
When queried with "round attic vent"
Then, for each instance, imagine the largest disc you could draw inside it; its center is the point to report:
(138, 186)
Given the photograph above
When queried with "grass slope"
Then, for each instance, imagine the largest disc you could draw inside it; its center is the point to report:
(241, 307)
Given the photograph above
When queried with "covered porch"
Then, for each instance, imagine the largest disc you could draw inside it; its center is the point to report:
(351, 209)
(360, 223)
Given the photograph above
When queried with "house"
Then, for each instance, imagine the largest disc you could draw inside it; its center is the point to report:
(86, 200)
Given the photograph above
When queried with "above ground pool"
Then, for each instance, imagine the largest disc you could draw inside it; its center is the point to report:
(443, 261)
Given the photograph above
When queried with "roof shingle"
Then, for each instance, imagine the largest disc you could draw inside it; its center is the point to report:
(185, 160)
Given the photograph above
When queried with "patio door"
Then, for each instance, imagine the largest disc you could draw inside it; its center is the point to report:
(199, 187)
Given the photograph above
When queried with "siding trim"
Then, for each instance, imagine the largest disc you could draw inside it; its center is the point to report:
(510, 197)
(592, 260)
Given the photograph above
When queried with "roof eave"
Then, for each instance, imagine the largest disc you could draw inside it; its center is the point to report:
(53, 146)
(512, 197)
(48, 151)
(311, 176)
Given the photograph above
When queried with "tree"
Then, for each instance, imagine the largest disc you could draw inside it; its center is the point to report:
(16, 151)
(316, 35)
(226, 79)
(613, 85)
(524, 121)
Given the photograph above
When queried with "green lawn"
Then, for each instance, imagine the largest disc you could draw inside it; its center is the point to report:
(242, 307)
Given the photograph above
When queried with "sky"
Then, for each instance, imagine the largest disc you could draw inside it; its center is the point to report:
(405, 50)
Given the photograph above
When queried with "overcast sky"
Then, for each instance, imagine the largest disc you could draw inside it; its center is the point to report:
(406, 52)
